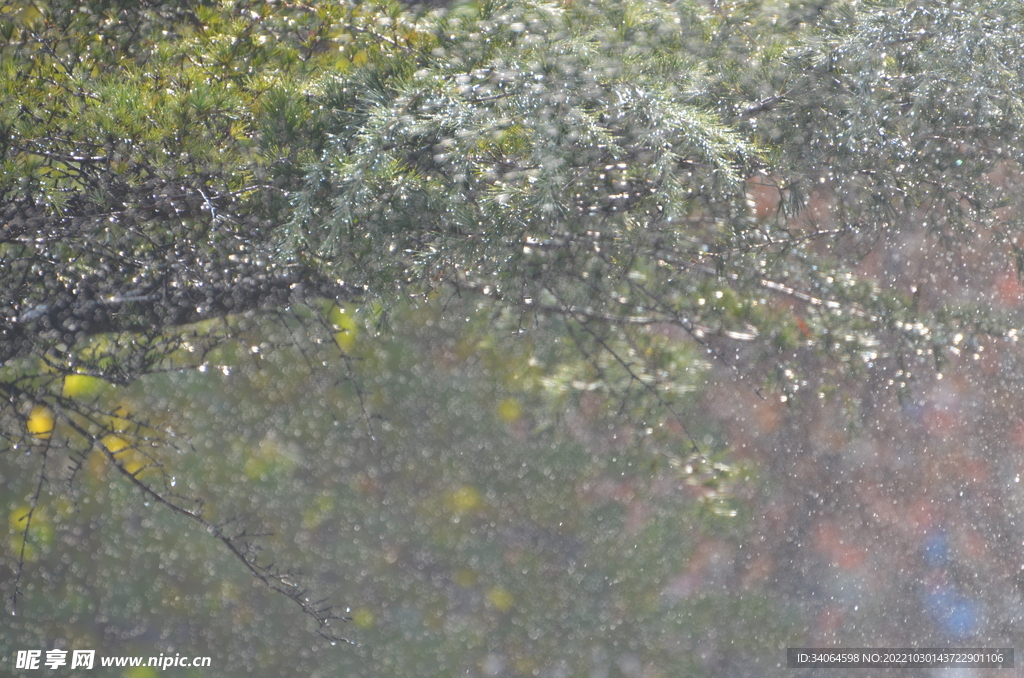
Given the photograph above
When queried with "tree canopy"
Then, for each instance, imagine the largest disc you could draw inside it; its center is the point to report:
(626, 194)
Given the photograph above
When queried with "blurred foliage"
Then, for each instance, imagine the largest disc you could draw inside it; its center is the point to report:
(462, 538)
(617, 195)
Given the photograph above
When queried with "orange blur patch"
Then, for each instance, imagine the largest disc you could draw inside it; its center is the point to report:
(764, 195)
(1007, 290)
(835, 544)
(758, 571)
(767, 414)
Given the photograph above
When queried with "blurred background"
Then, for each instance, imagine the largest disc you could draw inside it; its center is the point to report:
(477, 507)
(486, 528)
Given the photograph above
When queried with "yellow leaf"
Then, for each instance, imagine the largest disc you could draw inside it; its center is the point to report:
(118, 422)
(364, 618)
(134, 464)
(509, 410)
(500, 598)
(41, 528)
(40, 422)
(82, 386)
(256, 468)
(114, 443)
(344, 321)
(463, 500)
(129, 458)
(18, 518)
